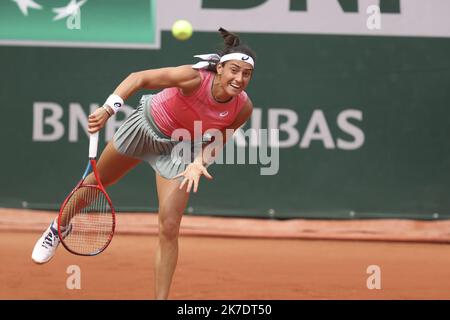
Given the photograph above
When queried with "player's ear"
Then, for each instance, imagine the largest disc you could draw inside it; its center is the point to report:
(219, 68)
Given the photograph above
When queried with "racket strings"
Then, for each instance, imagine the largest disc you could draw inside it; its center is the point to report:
(88, 221)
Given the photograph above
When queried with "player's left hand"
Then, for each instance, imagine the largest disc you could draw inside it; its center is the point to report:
(192, 175)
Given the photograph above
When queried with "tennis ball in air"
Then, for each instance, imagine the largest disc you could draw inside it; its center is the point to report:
(182, 29)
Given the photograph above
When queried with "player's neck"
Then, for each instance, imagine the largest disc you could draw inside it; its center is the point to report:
(218, 93)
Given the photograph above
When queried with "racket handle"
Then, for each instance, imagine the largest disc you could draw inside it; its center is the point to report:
(93, 144)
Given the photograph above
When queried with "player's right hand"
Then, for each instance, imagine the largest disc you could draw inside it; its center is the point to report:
(97, 120)
(192, 175)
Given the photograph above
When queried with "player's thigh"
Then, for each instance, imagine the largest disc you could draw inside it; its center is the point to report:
(172, 200)
(113, 165)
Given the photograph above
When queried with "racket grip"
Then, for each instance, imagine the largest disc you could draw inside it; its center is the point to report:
(93, 144)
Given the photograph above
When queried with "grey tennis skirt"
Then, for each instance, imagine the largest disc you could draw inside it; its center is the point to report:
(139, 137)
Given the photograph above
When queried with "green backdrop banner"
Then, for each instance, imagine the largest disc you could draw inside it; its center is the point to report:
(99, 23)
(364, 125)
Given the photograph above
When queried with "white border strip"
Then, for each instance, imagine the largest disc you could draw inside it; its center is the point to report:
(66, 44)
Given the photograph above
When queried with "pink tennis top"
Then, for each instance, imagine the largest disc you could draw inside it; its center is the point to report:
(170, 109)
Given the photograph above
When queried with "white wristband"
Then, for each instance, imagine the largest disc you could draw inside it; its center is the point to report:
(115, 102)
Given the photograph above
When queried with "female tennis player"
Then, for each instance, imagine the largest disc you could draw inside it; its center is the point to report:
(211, 91)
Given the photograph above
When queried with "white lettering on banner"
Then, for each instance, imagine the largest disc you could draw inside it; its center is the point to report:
(48, 115)
(323, 133)
(52, 121)
(349, 128)
(316, 129)
(77, 117)
(417, 18)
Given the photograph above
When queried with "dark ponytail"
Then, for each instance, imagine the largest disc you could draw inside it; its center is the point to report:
(232, 44)
(230, 39)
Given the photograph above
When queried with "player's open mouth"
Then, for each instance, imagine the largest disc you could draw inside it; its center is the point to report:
(235, 86)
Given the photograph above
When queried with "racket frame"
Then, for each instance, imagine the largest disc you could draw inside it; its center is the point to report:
(92, 166)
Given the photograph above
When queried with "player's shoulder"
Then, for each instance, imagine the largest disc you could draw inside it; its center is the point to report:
(246, 101)
(189, 79)
(188, 72)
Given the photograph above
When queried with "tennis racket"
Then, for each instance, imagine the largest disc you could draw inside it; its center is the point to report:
(86, 220)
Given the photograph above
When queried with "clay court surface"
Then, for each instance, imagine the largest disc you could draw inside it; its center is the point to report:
(222, 258)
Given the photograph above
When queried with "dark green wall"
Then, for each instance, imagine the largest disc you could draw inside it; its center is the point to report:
(401, 86)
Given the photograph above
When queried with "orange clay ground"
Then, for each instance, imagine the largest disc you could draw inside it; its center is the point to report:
(215, 262)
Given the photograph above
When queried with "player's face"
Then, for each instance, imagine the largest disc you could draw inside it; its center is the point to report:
(234, 76)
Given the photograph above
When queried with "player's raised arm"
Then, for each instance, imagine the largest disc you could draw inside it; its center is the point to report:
(183, 77)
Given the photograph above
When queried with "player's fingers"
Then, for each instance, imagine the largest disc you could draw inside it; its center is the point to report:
(183, 183)
(177, 176)
(93, 130)
(206, 173)
(96, 123)
(195, 184)
(188, 189)
(180, 174)
(93, 123)
(93, 116)
(97, 113)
